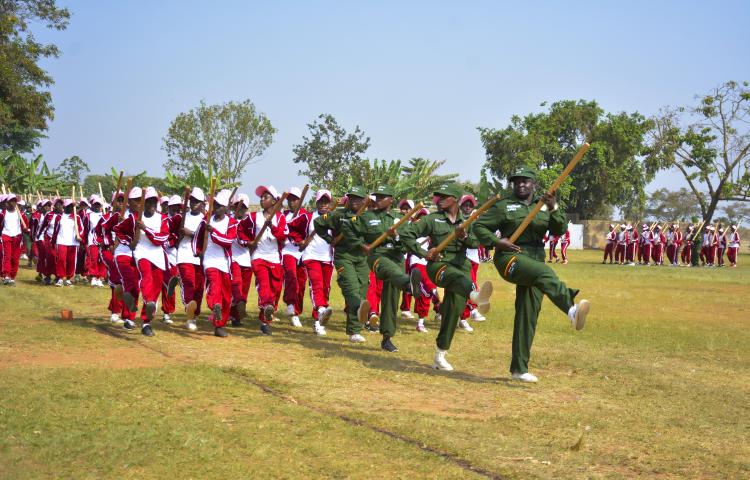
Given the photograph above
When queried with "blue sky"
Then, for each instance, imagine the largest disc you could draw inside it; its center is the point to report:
(417, 77)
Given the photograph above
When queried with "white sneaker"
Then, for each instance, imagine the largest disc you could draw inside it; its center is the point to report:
(23, 257)
(290, 310)
(319, 329)
(439, 362)
(524, 377)
(167, 319)
(68, 283)
(577, 314)
(476, 316)
(190, 324)
(420, 326)
(407, 314)
(115, 318)
(465, 325)
(357, 338)
(481, 297)
(59, 283)
(93, 281)
(100, 282)
(324, 314)
(295, 321)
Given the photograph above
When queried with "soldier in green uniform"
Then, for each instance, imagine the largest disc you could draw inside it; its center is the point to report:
(352, 271)
(385, 260)
(450, 269)
(523, 264)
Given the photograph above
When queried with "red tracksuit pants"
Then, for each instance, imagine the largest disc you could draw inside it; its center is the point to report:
(113, 275)
(268, 282)
(657, 253)
(11, 255)
(151, 280)
(242, 278)
(406, 296)
(687, 253)
(81, 261)
(469, 304)
(564, 250)
(620, 253)
(192, 280)
(168, 301)
(219, 291)
(645, 253)
(319, 274)
(630, 252)
(51, 260)
(129, 277)
(732, 255)
(295, 277)
(94, 263)
(672, 253)
(374, 291)
(41, 257)
(422, 304)
(608, 250)
(65, 266)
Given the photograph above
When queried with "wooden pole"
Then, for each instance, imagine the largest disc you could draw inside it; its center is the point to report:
(128, 188)
(465, 224)
(274, 210)
(75, 215)
(101, 193)
(212, 192)
(301, 200)
(384, 236)
(533, 213)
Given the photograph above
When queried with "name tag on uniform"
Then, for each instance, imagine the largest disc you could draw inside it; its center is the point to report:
(512, 207)
(439, 221)
(374, 222)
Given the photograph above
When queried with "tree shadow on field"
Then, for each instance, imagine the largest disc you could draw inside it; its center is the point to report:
(330, 347)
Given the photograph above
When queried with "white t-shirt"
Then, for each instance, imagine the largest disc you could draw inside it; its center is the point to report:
(241, 254)
(289, 247)
(318, 249)
(144, 249)
(94, 218)
(51, 225)
(214, 256)
(268, 246)
(185, 248)
(734, 239)
(66, 235)
(123, 250)
(415, 260)
(12, 225)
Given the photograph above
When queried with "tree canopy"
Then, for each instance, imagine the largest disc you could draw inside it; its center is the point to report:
(25, 103)
(226, 137)
(610, 174)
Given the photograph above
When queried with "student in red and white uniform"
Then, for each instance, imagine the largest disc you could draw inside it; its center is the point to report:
(553, 239)
(645, 245)
(611, 243)
(217, 260)
(620, 244)
(42, 207)
(657, 245)
(13, 224)
(266, 256)
(66, 239)
(150, 258)
(733, 245)
(192, 278)
(672, 241)
(174, 218)
(295, 275)
(564, 244)
(126, 265)
(242, 267)
(404, 206)
(94, 264)
(107, 239)
(317, 259)
(708, 249)
(467, 204)
(429, 293)
(721, 246)
(686, 254)
(49, 221)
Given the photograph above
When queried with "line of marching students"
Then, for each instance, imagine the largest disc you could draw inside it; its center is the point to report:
(625, 246)
(144, 245)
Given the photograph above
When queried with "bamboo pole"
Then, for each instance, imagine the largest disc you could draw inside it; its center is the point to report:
(383, 236)
(301, 200)
(466, 223)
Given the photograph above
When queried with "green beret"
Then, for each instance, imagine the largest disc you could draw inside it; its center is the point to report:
(356, 191)
(449, 190)
(384, 190)
(523, 172)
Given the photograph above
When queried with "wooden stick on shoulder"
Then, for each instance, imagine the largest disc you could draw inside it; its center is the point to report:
(128, 188)
(212, 192)
(533, 213)
(359, 212)
(384, 236)
(274, 210)
(465, 224)
(295, 212)
(75, 215)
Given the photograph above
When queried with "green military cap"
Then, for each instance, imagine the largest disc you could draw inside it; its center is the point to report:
(524, 172)
(356, 191)
(384, 190)
(449, 190)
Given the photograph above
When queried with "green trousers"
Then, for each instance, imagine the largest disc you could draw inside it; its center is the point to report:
(353, 277)
(455, 279)
(395, 281)
(533, 279)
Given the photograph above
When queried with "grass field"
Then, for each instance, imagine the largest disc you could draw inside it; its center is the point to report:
(656, 386)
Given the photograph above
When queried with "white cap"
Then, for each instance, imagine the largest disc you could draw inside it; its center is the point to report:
(152, 193)
(611, 226)
(135, 192)
(198, 194)
(164, 198)
(468, 197)
(270, 189)
(630, 227)
(372, 198)
(174, 200)
(222, 198)
(68, 202)
(243, 199)
(83, 200)
(295, 191)
(734, 226)
(406, 201)
(21, 203)
(95, 199)
(323, 193)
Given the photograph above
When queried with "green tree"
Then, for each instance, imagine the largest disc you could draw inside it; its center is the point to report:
(25, 103)
(330, 154)
(227, 138)
(712, 151)
(611, 173)
(72, 169)
(28, 176)
(666, 205)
